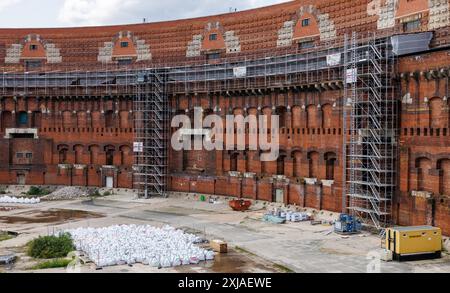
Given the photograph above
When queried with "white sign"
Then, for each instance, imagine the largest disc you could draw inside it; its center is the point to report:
(240, 71)
(138, 147)
(352, 75)
(334, 59)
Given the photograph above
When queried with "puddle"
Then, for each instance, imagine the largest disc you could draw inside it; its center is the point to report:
(50, 216)
(232, 263)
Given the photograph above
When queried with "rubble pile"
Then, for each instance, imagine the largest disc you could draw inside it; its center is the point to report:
(131, 244)
(67, 193)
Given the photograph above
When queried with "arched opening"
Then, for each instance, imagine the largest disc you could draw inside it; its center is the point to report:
(437, 119)
(280, 164)
(444, 178)
(296, 160)
(93, 154)
(109, 119)
(311, 112)
(124, 155)
(296, 117)
(37, 120)
(234, 162)
(281, 112)
(22, 119)
(330, 159)
(7, 121)
(62, 153)
(67, 119)
(313, 158)
(109, 152)
(327, 115)
(78, 149)
(81, 120)
(424, 166)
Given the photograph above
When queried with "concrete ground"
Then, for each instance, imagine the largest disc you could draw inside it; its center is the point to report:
(256, 246)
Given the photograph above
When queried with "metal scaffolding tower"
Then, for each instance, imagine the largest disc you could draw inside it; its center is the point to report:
(151, 109)
(371, 129)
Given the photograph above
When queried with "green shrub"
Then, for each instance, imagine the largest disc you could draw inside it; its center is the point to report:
(5, 236)
(107, 193)
(51, 246)
(37, 191)
(52, 264)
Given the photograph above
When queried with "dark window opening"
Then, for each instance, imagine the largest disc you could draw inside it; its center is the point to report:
(33, 47)
(29, 155)
(23, 119)
(411, 25)
(110, 158)
(213, 37)
(63, 156)
(305, 22)
(124, 61)
(306, 45)
(19, 155)
(214, 56)
(33, 64)
(124, 44)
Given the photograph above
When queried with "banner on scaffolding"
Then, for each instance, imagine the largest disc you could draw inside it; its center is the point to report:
(334, 59)
(351, 76)
(240, 72)
(138, 147)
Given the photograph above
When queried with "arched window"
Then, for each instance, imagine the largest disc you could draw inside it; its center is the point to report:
(109, 151)
(313, 158)
(63, 155)
(330, 159)
(234, 162)
(109, 119)
(280, 164)
(22, 119)
(296, 159)
(311, 112)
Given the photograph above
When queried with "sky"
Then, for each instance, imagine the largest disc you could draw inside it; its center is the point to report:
(68, 13)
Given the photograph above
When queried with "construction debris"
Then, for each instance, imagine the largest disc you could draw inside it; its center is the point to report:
(21, 200)
(157, 247)
(7, 259)
(219, 246)
(67, 193)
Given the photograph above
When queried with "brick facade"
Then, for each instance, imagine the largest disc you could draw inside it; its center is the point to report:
(83, 139)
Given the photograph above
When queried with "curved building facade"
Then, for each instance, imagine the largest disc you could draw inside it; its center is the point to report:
(361, 89)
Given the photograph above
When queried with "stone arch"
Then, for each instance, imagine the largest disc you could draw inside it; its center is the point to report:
(313, 158)
(424, 182)
(444, 177)
(436, 107)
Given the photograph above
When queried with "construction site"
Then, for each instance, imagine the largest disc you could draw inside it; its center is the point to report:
(360, 89)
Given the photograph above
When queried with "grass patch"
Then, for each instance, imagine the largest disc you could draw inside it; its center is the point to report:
(37, 191)
(51, 246)
(52, 264)
(5, 236)
(283, 268)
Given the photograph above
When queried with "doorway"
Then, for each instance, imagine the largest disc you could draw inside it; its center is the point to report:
(109, 182)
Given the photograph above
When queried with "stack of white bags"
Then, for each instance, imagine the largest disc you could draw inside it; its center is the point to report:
(157, 247)
(15, 200)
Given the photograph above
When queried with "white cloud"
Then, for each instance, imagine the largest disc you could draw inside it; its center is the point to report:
(8, 3)
(102, 12)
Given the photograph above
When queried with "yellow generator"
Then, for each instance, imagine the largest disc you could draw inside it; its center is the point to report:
(407, 243)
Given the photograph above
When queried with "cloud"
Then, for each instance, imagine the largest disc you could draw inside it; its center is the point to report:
(8, 3)
(102, 12)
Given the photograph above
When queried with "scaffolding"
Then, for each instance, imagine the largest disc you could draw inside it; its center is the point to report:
(371, 130)
(151, 124)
